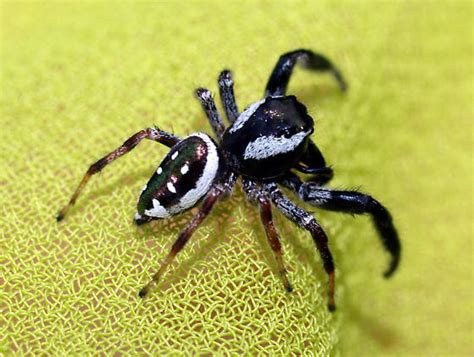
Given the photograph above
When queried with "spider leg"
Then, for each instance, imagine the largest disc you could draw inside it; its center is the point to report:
(154, 134)
(226, 89)
(315, 165)
(211, 198)
(355, 203)
(255, 194)
(308, 222)
(280, 76)
(207, 102)
(230, 182)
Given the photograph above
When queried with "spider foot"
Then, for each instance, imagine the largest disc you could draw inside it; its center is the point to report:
(391, 269)
(286, 282)
(144, 291)
(62, 213)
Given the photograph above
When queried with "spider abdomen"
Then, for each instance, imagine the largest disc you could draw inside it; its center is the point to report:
(268, 138)
(182, 179)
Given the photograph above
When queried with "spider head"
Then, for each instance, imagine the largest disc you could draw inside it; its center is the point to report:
(269, 137)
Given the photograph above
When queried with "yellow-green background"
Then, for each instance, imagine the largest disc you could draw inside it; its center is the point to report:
(79, 78)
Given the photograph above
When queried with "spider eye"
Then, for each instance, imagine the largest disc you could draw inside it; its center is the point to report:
(286, 134)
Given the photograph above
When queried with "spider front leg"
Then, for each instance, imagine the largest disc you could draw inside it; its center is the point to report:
(280, 76)
(209, 106)
(154, 134)
(211, 198)
(226, 89)
(355, 203)
(255, 194)
(308, 222)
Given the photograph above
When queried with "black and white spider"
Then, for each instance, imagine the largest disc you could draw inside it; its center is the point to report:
(265, 145)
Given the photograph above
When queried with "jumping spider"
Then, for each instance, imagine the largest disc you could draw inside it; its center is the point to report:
(265, 145)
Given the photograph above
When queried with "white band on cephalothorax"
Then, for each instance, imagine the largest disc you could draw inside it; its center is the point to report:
(266, 146)
(246, 114)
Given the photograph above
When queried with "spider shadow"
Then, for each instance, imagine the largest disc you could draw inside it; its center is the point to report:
(172, 227)
(114, 184)
(374, 328)
(216, 226)
(182, 270)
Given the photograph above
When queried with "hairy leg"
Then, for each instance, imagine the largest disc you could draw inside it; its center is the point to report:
(207, 102)
(226, 89)
(304, 220)
(355, 203)
(209, 201)
(255, 194)
(278, 81)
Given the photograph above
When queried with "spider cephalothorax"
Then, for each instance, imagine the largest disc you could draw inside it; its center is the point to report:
(264, 145)
(268, 138)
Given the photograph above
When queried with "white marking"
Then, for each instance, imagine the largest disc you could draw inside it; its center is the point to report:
(184, 169)
(206, 94)
(320, 197)
(138, 216)
(157, 211)
(266, 146)
(227, 82)
(175, 155)
(207, 178)
(171, 187)
(159, 171)
(144, 188)
(245, 115)
(324, 195)
(307, 219)
(203, 184)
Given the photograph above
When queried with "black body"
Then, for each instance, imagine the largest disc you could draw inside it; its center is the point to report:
(265, 145)
(278, 117)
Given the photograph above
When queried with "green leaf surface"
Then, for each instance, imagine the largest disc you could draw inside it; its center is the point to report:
(79, 78)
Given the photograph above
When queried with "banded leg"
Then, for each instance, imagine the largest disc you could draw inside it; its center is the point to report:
(308, 222)
(251, 190)
(154, 134)
(226, 90)
(207, 102)
(205, 209)
(280, 76)
(230, 183)
(255, 194)
(354, 203)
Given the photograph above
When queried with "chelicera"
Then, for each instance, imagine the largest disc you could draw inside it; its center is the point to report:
(266, 145)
